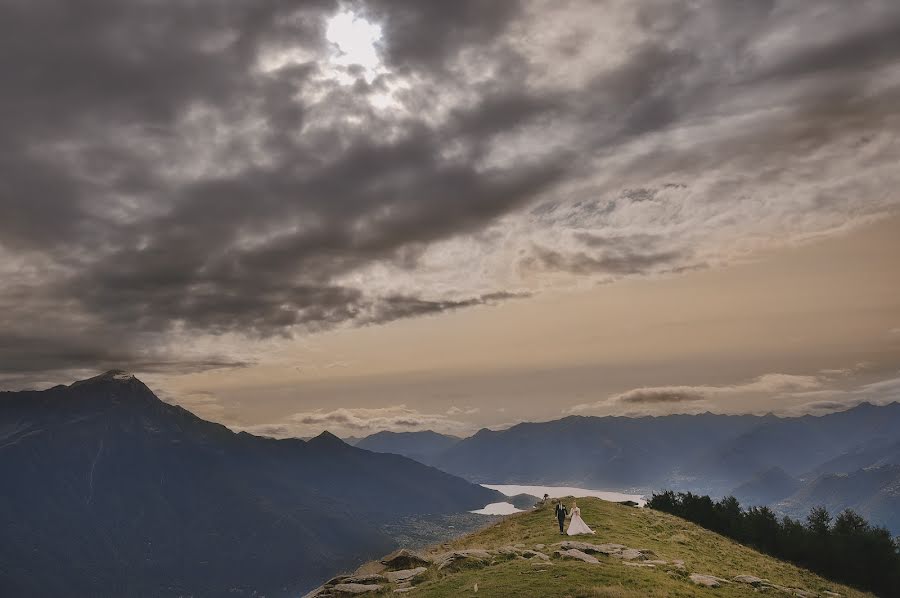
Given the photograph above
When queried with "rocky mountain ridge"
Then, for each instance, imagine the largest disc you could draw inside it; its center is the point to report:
(120, 493)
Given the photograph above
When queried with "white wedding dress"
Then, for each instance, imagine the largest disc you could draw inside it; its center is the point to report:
(577, 524)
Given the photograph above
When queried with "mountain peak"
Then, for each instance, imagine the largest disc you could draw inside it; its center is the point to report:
(115, 385)
(327, 439)
(116, 375)
(108, 376)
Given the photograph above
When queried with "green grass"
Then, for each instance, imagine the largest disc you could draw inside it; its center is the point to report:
(671, 538)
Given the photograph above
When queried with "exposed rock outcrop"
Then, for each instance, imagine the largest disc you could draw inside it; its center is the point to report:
(355, 589)
(752, 580)
(405, 574)
(365, 579)
(349, 585)
(573, 553)
(709, 581)
(462, 559)
(404, 559)
(618, 551)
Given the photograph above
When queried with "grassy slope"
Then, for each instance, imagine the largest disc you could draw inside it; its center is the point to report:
(670, 537)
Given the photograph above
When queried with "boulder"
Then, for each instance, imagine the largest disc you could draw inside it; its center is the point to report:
(462, 559)
(404, 559)
(405, 574)
(635, 554)
(325, 589)
(329, 588)
(355, 589)
(607, 549)
(508, 551)
(752, 580)
(573, 553)
(709, 581)
(365, 579)
(534, 554)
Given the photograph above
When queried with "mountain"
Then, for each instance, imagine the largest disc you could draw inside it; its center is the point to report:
(873, 492)
(636, 553)
(766, 487)
(799, 444)
(109, 491)
(708, 453)
(421, 446)
(593, 452)
(874, 453)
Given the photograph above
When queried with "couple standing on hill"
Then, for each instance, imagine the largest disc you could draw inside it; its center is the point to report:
(576, 525)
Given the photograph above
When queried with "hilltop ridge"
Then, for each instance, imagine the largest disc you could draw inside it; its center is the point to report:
(635, 553)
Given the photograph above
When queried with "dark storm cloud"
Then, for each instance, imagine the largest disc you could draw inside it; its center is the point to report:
(616, 261)
(864, 49)
(824, 406)
(157, 177)
(431, 34)
(398, 307)
(660, 395)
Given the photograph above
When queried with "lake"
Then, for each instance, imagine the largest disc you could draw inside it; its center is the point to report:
(505, 508)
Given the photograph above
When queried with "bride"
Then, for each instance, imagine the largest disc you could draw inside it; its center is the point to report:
(577, 524)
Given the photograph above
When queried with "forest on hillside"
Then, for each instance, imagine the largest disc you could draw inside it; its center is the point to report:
(845, 548)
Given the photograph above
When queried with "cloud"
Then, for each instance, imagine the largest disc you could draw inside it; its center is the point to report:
(881, 392)
(175, 174)
(362, 422)
(660, 395)
(695, 399)
(787, 394)
(884, 391)
(463, 410)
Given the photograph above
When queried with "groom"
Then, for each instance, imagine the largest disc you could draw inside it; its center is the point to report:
(561, 513)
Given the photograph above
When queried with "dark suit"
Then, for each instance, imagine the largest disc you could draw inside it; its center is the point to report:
(561, 513)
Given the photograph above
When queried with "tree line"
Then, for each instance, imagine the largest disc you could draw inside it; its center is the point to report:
(846, 549)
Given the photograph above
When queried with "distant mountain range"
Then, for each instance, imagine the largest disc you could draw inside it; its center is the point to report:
(872, 492)
(761, 459)
(106, 490)
(767, 487)
(424, 447)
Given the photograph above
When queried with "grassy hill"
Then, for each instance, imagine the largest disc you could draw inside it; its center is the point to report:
(671, 539)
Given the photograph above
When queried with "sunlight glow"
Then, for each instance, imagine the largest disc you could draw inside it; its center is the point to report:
(356, 40)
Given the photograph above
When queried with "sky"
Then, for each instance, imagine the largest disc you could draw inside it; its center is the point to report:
(414, 215)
